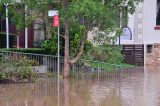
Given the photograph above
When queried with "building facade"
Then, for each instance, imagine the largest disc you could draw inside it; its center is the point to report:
(151, 31)
(12, 30)
(135, 27)
(28, 36)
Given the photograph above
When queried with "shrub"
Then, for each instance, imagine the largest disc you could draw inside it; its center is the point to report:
(106, 53)
(50, 45)
(17, 69)
(27, 50)
(38, 43)
(3, 40)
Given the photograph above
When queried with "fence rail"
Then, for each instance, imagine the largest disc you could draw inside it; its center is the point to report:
(82, 69)
(94, 69)
(39, 62)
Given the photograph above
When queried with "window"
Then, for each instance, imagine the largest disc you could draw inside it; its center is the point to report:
(149, 49)
(125, 17)
(0, 24)
(2, 19)
(158, 13)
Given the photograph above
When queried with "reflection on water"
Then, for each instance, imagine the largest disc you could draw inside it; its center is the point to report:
(137, 89)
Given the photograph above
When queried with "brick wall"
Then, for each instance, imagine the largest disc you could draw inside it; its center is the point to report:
(154, 57)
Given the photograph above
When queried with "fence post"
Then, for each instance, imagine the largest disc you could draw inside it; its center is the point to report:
(119, 71)
(98, 70)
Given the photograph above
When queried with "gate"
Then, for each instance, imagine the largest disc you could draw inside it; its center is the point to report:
(133, 54)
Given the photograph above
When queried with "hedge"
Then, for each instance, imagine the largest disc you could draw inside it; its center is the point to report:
(3, 40)
(27, 50)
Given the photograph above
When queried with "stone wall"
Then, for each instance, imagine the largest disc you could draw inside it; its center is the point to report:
(154, 57)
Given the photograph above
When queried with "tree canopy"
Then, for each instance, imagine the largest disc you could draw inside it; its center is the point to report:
(84, 15)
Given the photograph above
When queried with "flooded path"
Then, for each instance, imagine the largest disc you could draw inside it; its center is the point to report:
(138, 89)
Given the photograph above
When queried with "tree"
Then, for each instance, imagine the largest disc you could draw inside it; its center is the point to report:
(17, 17)
(16, 13)
(90, 14)
(84, 15)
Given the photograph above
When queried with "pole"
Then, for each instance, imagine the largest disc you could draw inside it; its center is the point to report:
(58, 53)
(26, 29)
(120, 25)
(7, 27)
(58, 66)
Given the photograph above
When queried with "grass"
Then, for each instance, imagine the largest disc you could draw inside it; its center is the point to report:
(109, 67)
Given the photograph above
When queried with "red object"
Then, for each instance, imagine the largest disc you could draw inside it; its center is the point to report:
(157, 28)
(56, 21)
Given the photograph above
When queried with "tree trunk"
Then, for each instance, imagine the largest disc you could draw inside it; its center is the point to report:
(18, 35)
(66, 47)
(83, 41)
(66, 51)
(66, 92)
(17, 42)
(67, 61)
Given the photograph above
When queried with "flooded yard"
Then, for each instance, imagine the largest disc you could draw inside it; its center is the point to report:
(136, 89)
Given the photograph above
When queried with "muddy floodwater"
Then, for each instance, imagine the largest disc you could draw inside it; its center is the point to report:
(136, 89)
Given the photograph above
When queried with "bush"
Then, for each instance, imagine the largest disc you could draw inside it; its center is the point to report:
(27, 50)
(106, 53)
(50, 45)
(17, 69)
(3, 40)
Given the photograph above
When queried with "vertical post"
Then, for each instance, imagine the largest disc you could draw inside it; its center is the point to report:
(26, 29)
(7, 27)
(56, 23)
(98, 71)
(119, 72)
(58, 66)
(120, 25)
(58, 53)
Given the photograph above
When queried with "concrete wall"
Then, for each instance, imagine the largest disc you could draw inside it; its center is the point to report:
(154, 57)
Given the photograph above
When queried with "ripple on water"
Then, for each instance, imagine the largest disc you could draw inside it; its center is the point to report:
(136, 89)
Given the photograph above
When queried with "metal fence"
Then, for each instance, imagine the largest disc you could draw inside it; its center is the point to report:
(39, 62)
(94, 69)
(83, 69)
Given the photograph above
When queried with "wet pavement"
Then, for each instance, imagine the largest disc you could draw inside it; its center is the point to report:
(136, 89)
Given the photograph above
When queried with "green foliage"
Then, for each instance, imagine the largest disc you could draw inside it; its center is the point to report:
(106, 53)
(3, 40)
(25, 73)
(75, 41)
(28, 50)
(38, 43)
(88, 46)
(51, 74)
(81, 16)
(17, 69)
(50, 45)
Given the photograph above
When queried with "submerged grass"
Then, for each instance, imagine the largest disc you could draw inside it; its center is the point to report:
(110, 67)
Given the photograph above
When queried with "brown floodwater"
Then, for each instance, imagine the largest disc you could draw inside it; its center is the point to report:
(136, 89)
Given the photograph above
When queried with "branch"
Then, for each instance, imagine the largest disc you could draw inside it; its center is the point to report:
(84, 38)
(59, 35)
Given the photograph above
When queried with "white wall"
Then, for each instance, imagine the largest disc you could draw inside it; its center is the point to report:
(149, 22)
(131, 25)
(138, 34)
(135, 24)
